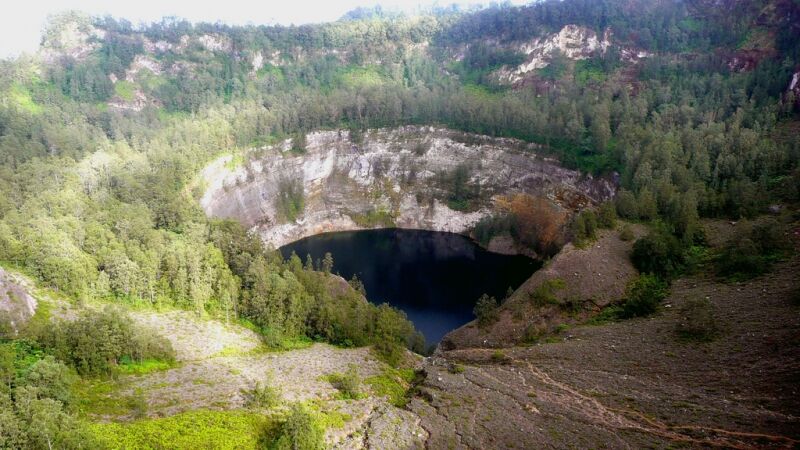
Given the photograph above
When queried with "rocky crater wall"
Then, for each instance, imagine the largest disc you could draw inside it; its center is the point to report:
(399, 177)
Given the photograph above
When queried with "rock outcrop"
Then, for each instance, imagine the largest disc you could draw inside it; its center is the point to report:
(16, 304)
(395, 177)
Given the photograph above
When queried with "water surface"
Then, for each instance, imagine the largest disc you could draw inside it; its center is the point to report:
(434, 277)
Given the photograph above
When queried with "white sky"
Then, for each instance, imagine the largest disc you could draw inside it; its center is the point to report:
(21, 25)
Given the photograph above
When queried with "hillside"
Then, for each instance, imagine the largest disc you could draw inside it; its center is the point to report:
(646, 151)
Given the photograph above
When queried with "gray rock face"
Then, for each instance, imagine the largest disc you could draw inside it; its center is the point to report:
(16, 304)
(393, 177)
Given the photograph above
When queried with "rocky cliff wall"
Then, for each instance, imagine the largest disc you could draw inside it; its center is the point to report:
(391, 177)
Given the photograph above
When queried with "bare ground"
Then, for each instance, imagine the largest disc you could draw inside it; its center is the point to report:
(634, 384)
(219, 363)
(593, 277)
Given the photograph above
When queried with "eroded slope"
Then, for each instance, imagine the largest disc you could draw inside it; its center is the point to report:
(395, 177)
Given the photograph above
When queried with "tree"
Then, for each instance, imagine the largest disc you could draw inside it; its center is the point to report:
(607, 217)
(7, 367)
(647, 207)
(658, 253)
(485, 310)
(625, 202)
(327, 263)
(50, 379)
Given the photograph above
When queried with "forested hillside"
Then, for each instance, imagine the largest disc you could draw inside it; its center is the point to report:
(691, 106)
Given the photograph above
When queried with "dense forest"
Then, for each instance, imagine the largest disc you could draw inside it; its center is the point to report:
(98, 195)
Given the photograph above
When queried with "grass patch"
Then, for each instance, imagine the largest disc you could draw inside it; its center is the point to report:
(102, 398)
(143, 367)
(500, 357)
(355, 76)
(589, 70)
(609, 314)
(392, 383)
(195, 429)
(236, 161)
(125, 90)
(21, 96)
(233, 350)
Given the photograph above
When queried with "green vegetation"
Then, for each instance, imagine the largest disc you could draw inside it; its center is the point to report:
(264, 395)
(659, 253)
(626, 234)
(194, 429)
(752, 250)
(584, 228)
(302, 429)
(394, 384)
(696, 321)
(98, 343)
(20, 95)
(486, 310)
(642, 296)
(291, 198)
(499, 356)
(96, 204)
(545, 293)
(461, 192)
(129, 367)
(374, 218)
(125, 90)
(348, 384)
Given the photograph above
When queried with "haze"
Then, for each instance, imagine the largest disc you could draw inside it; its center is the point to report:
(21, 30)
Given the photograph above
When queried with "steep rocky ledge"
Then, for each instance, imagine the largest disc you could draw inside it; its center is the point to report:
(391, 177)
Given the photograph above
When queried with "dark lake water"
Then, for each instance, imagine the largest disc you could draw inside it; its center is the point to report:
(434, 277)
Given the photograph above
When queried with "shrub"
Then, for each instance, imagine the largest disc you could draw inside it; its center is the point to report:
(302, 430)
(607, 217)
(696, 320)
(455, 368)
(486, 310)
(395, 384)
(491, 226)
(752, 251)
(643, 294)
(348, 383)
(264, 395)
(740, 258)
(499, 356)
(626, 234)
(299, 142)
(533, 333)
(545, 293)
(534, 222)
(584, 227)
(290, 201)
(461, 193)
(659, 253)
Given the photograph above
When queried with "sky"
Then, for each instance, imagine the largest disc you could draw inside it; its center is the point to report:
(21, 25)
